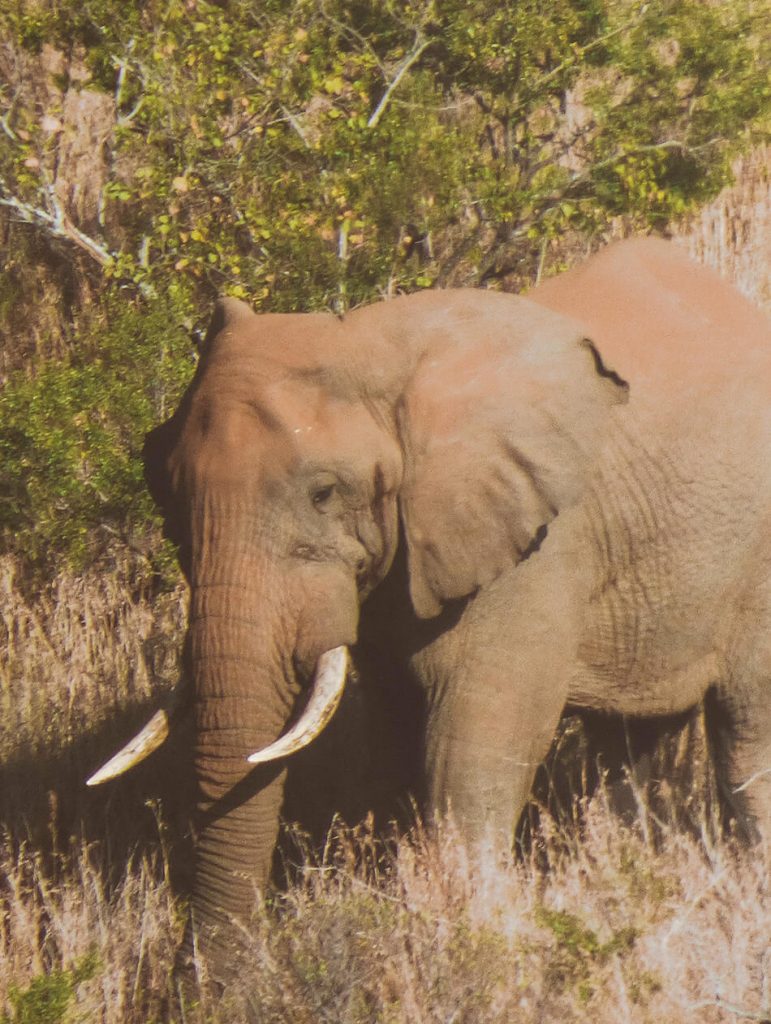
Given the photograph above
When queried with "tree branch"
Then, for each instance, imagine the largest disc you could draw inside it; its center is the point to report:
(57, 224)
(411, 59)
(557, 195)
(762, 1016)
(577, 56)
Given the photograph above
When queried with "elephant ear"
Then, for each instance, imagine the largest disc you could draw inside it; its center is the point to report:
(501, 424)
(158, 443)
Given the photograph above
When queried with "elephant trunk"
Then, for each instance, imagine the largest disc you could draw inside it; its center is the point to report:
(245, 690)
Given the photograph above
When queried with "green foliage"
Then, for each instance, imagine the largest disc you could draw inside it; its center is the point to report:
(578, 951)
(49, 996)
(318, 153)
(282, 152)
(71, 432)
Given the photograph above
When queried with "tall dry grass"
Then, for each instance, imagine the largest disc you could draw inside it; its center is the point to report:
(73, 652)
(733, 233)
(80, 662)
(601, 927)
(601, 920)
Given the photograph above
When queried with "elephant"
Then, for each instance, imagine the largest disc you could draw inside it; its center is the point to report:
(512, 503)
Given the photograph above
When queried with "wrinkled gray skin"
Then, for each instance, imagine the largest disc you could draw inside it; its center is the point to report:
(455, 480)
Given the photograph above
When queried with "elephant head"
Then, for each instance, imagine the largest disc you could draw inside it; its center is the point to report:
(305, 447)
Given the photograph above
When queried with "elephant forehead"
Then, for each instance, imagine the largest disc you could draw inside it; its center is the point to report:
(229, 437)
(327, 431)
(261, 435)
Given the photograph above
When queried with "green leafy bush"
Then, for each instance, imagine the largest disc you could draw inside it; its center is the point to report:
(47, 999)
(71, 432)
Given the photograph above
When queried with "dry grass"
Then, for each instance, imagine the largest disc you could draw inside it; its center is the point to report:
(733, 234)
(79, 870)
(601, 928)
(600, 921)
(73, 653)
(53, 918)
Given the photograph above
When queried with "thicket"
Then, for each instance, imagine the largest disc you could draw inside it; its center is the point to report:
(306, 155)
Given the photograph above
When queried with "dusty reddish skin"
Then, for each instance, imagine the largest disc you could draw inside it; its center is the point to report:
(678, 513)
(504, 534)
(674, 326)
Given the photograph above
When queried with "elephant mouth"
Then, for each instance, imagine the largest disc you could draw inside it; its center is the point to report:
(325, 693)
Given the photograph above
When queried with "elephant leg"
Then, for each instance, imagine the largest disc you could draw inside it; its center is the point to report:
(497, 686)
(741, 727)
(740, 714)
(480, 762)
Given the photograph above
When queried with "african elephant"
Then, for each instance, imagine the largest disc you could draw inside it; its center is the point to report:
(456, 481)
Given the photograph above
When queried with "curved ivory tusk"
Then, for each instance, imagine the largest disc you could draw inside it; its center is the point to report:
(328, 685)
(143, 744)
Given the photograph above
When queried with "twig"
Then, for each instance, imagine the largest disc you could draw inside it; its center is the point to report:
(541, 260)
(7, 128)
(57, 224)
(751, 779)
(295, 123)
(762, 1016)
(411, 59)
(122, 65)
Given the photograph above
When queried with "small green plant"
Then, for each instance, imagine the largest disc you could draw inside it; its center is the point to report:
(578, 951)
(646, 883)
(48, 997)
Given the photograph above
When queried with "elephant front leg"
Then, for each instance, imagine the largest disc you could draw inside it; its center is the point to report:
(479, 767)
(497, 687)
(740, 727)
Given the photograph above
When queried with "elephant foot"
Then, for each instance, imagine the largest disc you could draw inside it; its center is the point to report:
(200, 996)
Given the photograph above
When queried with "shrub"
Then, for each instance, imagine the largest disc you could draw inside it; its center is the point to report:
(71, 432)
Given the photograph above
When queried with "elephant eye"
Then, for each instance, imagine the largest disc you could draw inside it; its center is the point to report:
(321, 495)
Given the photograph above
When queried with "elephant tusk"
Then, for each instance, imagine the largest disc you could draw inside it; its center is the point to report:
(142, 745)
(328, 685)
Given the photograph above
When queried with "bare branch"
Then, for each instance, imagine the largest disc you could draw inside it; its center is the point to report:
(405, 67)
(295, 123)
(762, 1016)
(7, 128)
(57, 224)
(122, 63)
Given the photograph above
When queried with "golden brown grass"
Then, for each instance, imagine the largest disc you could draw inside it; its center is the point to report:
(600, 927)
(77, 650)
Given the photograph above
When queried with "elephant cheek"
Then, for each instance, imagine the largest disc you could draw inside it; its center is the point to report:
(329, 615)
